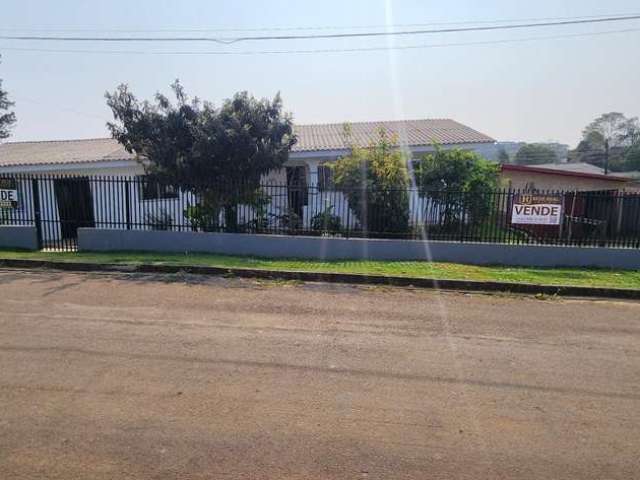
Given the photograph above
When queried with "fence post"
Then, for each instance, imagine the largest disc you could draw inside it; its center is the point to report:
(463, 214)
(620, 209)
(37, 216)
(127, 204)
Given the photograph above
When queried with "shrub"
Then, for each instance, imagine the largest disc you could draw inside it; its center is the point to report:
(290, 221)
(202, 218)
(326, 221)
(375, 182)
(460, 183)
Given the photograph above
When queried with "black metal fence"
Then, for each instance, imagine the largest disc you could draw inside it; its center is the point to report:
(58, 205)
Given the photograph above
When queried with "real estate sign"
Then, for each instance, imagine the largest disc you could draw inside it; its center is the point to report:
(534, 209)
(8, 193)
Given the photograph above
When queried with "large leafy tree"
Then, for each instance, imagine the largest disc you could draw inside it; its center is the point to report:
(614, 128)
(375, 181)
(632, 158)
(460, 183)
(609, 141)
(218, 153)
(503, 156)
(535, 154)
(7, 117)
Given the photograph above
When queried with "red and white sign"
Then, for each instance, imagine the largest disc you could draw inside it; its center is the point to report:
(537, 209)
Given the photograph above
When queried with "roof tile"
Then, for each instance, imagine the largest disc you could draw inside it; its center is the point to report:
(311, 138)
(410, 132)
(61, 152)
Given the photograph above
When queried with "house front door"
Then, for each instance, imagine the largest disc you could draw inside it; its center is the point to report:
(297, 191)
(75, 205)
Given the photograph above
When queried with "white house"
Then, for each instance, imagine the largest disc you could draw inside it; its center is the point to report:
(93, 158)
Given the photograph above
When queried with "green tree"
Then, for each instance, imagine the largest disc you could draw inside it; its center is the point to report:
(460, 183)
(632, 159)
(535, 154)
(607, 142)
(614, 128)
(503, 156)
(7, 118)
(219, 154)
(591, 149)
(375, 181)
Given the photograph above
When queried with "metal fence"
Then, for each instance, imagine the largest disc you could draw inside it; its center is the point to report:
(58, 205)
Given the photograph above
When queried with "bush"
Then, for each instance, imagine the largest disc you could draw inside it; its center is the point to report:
(326, 221)
(259, 201)
(460, 183)
(202, 218)
(375, 182)
(290, 221)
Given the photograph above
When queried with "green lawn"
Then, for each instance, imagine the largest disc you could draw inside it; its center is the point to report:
(549, 276)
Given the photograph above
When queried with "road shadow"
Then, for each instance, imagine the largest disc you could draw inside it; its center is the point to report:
(63, 280)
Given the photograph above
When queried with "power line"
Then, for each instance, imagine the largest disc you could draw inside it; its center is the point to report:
(320, 51)
(309, 28)
(229, 41)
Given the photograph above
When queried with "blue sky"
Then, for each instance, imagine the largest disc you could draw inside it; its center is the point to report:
(534, 91)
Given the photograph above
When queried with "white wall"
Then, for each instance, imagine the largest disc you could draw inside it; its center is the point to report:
(109, 198)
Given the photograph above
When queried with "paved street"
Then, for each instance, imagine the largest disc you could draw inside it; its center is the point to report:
(115, 376)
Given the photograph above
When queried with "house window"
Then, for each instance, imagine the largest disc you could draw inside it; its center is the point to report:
(530, 187)
(325, 178)
(152, 190)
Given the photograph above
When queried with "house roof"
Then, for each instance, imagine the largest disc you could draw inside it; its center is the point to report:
(415, 133)
(566, 173)
(633, 175)
(311, 138)
(579, 167)
(61, 152)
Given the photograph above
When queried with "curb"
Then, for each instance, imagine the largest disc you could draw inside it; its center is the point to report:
(359, 279)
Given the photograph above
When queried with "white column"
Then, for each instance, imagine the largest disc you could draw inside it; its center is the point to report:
(312, 165)
(312, 195)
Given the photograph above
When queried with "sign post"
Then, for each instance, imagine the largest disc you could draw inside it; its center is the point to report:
(8, 193)
(537, 209)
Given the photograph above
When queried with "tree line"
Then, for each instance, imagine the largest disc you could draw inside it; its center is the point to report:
(611, 142)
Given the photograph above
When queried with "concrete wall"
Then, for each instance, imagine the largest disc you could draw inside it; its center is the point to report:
(339, 248)
(18, 237)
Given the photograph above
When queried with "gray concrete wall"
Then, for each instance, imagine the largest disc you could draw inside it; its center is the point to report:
(338, 248)
(12, 236)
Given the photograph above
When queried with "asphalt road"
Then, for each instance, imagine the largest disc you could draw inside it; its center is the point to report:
(133, 376)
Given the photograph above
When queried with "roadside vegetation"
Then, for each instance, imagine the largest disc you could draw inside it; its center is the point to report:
(445, 271)
(218, 154)
(375, 181)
